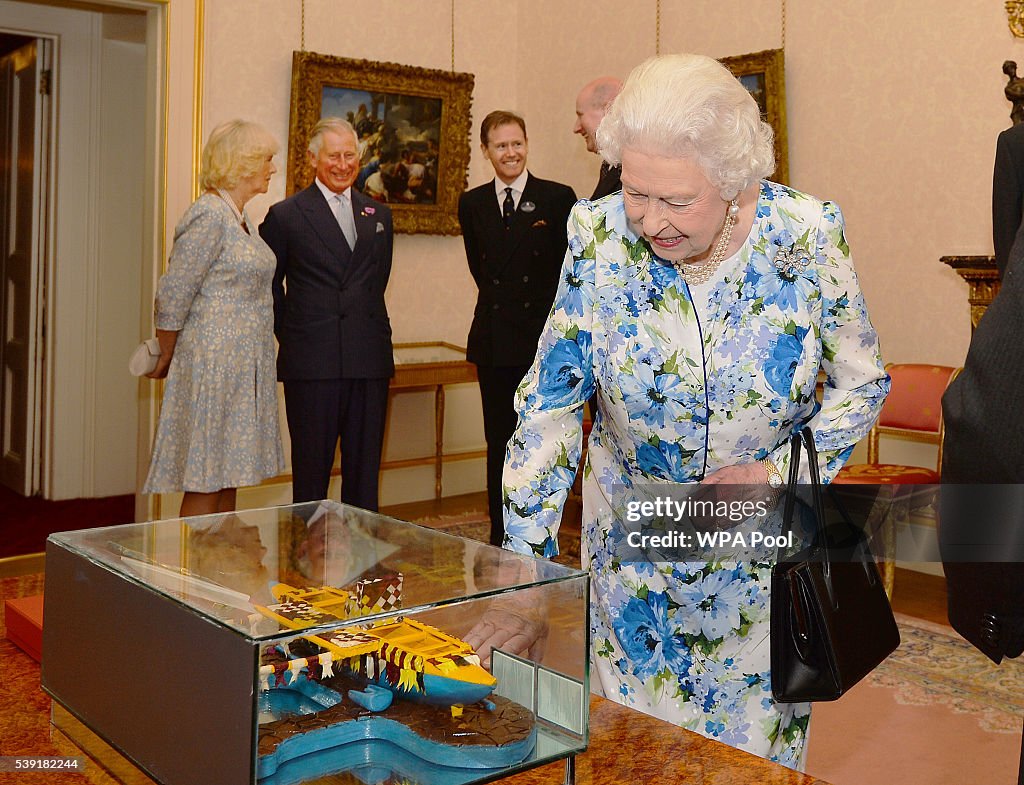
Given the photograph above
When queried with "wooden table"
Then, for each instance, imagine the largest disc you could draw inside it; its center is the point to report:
(430, 365)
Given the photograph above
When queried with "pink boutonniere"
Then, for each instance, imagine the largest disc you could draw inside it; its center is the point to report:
(369, 210)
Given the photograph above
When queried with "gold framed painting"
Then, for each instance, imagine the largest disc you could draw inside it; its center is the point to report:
(412, 126)
(764, 76)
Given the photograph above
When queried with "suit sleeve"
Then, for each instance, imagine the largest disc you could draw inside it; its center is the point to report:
(469, 238)
(275, 237)
(198, 242)
(981, 521)
(568, 199)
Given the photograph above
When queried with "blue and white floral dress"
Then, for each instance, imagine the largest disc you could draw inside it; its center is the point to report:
(679, 396)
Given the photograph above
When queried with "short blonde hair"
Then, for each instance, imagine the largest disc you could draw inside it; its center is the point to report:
(691, 105)
(235, 150)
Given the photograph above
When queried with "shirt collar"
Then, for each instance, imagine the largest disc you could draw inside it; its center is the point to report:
(518, 185)
(329, 194)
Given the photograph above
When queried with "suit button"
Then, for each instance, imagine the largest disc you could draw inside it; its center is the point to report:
(495, 307)
(496, 282)
(526, 279)
(526, 305)
(536, 252)
(990, 629)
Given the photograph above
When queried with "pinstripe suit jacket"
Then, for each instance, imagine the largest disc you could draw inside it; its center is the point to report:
(329, 312)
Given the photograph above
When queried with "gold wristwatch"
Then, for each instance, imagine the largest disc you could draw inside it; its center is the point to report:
(774, 475)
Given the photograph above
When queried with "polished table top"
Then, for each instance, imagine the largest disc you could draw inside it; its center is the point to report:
(629, 747)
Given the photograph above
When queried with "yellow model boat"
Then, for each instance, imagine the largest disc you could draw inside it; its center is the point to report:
(409, 658)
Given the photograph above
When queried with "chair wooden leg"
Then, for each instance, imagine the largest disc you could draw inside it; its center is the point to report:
(887, 512)
(888, 576)
(899, 513)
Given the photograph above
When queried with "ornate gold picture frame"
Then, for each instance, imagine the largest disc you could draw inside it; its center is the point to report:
(764, 75)
(413, 126)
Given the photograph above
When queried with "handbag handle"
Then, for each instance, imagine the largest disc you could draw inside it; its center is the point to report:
(794, 478)
(817, 505)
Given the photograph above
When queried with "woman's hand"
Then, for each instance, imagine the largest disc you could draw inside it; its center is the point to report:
(512, 627)
(737, 484)
(168, 340)
(514, 623)
(752, 474)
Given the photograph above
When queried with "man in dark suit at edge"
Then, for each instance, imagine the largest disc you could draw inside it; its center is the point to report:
(334, 248)
(981, 520)
(591, 104)
(514, 230)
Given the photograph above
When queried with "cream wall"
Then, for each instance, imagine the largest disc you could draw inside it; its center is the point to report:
(893, 110)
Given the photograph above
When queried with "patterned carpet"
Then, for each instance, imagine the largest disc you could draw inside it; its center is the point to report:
(934, 666)
(936, 712)
(24, 707)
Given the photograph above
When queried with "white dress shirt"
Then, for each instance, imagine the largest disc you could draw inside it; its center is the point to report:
(517, 187)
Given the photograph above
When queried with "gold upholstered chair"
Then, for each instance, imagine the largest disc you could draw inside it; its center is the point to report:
(912, 411)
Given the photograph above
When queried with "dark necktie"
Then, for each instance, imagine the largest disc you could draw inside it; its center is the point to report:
(508, 208)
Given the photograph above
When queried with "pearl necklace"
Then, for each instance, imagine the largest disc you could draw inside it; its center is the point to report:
(700, 273)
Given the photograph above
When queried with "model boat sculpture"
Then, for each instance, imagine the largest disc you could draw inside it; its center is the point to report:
(395, 681)
(400, 655)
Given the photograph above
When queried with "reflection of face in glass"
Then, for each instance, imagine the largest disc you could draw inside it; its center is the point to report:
(325, 555)
(494, 568)
(230, 553)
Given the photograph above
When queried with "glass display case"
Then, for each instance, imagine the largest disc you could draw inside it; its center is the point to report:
(315, 642)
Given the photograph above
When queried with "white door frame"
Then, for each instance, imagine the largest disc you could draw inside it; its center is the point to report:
(43, 20)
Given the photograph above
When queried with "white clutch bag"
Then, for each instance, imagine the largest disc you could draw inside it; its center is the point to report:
(144, 358)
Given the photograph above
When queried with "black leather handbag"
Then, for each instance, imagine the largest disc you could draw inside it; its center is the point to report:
(831, 623)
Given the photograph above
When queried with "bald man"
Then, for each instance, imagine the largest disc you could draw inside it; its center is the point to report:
(591, 104)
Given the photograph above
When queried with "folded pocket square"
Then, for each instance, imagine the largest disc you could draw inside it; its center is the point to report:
(539, 224)
(380, 227)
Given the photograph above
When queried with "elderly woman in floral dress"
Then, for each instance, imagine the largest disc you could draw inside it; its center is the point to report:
(699, 304)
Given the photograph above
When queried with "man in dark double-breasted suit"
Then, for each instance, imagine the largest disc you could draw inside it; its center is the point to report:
(514, 229)
(333, 248)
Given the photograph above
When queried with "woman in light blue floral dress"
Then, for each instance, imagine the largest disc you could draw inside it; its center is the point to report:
(699, 305)
(218, 425)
